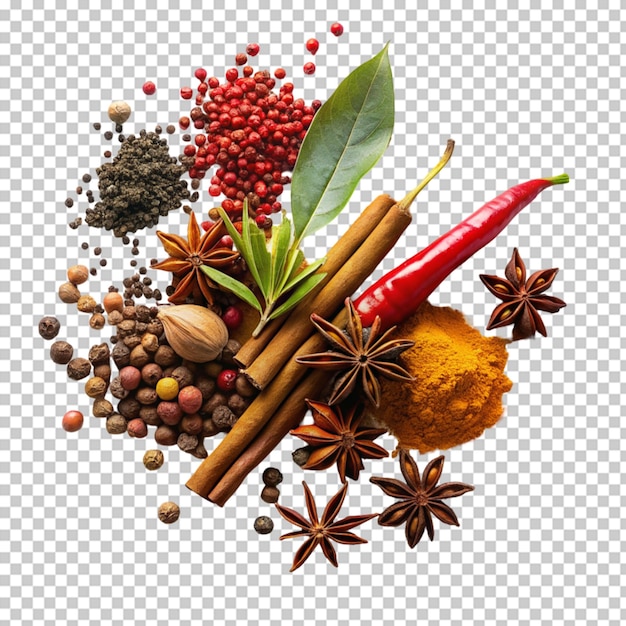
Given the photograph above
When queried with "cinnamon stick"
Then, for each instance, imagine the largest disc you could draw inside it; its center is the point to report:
(336, 257)
(287, 375)
(288, 416)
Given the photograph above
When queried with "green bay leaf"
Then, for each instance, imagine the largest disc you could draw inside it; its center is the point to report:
(348, 135)
(233, 285)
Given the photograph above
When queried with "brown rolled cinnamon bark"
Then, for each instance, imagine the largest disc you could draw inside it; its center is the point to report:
(288, 373)
(336, 258)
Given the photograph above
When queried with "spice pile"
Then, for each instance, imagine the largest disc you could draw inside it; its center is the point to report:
(254, 335)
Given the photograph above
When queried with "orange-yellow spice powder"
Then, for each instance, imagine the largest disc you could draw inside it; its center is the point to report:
(458, 387)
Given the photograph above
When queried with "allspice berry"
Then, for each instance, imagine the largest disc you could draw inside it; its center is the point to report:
(69, 293)
(116, 424)
(113, 301)
(270, 494)
(153, 459)
(263, 525)
(77, 274)
(96, 387)
(97, 321)
(78, 368)
(86, 304)
(272, 477)
(49, 327)
(102, 408)
(169, 512)
(119, 111)
(61, 352)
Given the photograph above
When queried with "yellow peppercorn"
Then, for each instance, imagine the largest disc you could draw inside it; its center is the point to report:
(167, 388)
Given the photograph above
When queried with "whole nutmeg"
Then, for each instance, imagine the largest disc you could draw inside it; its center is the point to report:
(61, 352)
(169, 512)
(113, 301)
(86, 304)
(102, 408)
(130, 377)
(77, 274)
(78, 368)
(165, 435)
(96, 387)
(139, 357)
(190, 399)
(116, 424)
(194, 332)
(119, 111)
(69, 293)
(137, 428)
(153, 459)
(151, 373)
(49, 327)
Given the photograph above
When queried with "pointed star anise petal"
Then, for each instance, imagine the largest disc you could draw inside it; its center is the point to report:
(396, 514)
(329, 361)
(174, 245)
(355, 327)
(310, 504)
(505, 314)
(193, 233)
(370, 450)
(335, 336)
(352, 521)
(334, 506)
(450, 490)
(415, 526)
(540, 281)
(349, 539)
(393, 487)
(205, 285)
(371, 386)
(295, 533)
(443, 512)
(304, 552)
(211, 237)
(499, 287)
(374, 331)
(393, 371)
(430, 529)
(323, 457)
(344, 386)
(176, 266)
(390, 350)
(432, 474)
(329, 551)
(325, 417)
(515, 270)
(409, 470)
(314, 435)
(293, 517)
(550, 304)
(183, 290)
(525, 323)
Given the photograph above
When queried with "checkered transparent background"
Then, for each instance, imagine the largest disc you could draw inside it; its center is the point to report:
(525, 93)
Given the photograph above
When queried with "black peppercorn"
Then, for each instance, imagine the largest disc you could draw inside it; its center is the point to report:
(270, 494)
(272, 477)
(301, 455)
(263, 525)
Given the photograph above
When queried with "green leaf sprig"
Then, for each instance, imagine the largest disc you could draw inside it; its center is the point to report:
(277, 272)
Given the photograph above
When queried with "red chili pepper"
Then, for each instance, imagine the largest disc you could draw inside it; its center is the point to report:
(399, 293)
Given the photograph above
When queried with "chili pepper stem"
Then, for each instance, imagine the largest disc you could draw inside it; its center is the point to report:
(561, 179)
(405, 203)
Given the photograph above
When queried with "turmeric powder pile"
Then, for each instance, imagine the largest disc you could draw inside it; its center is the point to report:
(458, 386)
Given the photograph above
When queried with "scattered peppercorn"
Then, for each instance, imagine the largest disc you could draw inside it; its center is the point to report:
(72, 421)
(263, 525)
(78, 368)
(270, 494)
(149, 88)
(97, 126)
(301, 455)
(84, 245)
(86, 178)
(312, 45)
(153, 459)
(69, 203)
(61, 352)
(49, 327)
(272, 477)
(336, 29)
(169, 512)
(309, 68)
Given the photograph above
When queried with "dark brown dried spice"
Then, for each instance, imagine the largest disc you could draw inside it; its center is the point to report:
(322, 531)
(419, 498)
(522, 299)
(364, 353)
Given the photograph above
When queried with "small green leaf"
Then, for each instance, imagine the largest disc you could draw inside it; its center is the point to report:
(281, 240)
(233, 285)
(347, 136)
(258, 248)
(297, 294)
(307, 271)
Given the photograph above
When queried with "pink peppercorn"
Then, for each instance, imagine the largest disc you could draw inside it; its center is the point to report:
(309, 68)
(336, 29)
(200, 74)
(186, 93)
(253, 49)
(226, 380)
(312, 45)
(149, 88)
(232, 317)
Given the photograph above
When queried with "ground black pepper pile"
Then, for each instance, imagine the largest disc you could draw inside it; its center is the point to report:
(142, 183)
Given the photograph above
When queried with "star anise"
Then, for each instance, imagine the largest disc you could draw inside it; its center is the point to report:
(522, 299)
(420, 498)
(322, 531)
(188, 256)
(364, 353)
(337, 437)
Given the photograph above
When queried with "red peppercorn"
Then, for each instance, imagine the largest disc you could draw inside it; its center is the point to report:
(232, 317)
(200, 74)
(309, 68)
(184, 122)
(280, 73)
(253, 49)
(206, 225)
(336, 29)
(241, 59)
(186, 93)
(72, 421)
(149, 88)
(231, 75)
(226, 380)
(202, 89)
(312, 45)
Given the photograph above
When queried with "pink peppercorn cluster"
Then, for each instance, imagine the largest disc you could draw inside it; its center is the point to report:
(249, 132)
